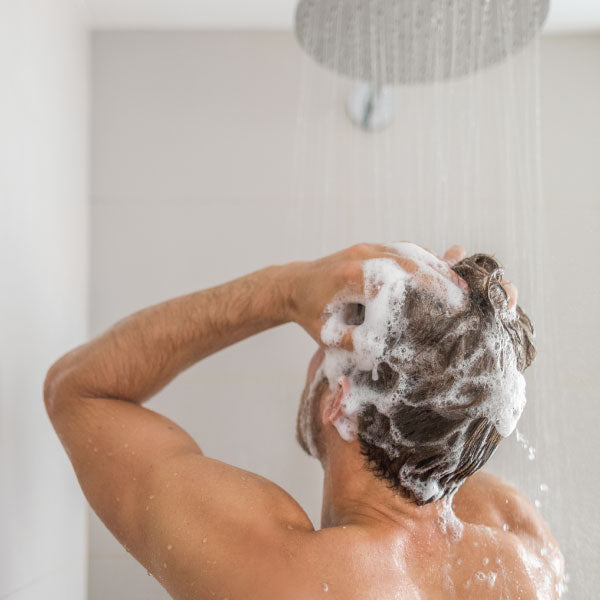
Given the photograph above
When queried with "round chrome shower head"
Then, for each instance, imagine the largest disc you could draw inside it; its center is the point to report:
(414, 41)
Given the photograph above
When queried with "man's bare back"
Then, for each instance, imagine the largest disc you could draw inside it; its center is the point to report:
(207, 530)
(493, 546)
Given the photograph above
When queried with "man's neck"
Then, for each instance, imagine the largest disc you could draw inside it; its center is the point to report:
(353, 495)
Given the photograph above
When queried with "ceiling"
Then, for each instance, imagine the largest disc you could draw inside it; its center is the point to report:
(566, 16)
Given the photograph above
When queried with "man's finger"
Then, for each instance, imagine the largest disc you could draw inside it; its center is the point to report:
(454, 254)
(512, 293)
(347, 342)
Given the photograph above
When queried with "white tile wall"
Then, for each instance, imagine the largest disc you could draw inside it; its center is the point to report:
(192, 163)
(44, 251)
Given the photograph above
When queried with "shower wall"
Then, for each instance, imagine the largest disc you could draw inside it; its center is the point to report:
(192, 164)
(44, 250)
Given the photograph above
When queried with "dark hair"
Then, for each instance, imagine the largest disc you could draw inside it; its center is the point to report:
(442, 444)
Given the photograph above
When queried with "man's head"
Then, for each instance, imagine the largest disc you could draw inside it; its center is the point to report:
(445, 387)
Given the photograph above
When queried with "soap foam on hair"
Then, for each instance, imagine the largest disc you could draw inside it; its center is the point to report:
(386, 284)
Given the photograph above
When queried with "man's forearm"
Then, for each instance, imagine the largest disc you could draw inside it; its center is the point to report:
(139, 355)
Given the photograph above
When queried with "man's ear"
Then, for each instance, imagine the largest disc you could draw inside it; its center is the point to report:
(334, 401)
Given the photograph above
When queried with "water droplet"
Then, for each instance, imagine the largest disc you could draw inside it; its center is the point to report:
(505, 527)
(151, 496)
(290, 527)
(537, 503)
(486, 560)
(325, 587)
(543, 487)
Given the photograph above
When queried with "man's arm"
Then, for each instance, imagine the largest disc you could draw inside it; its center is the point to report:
(187, 518)
(142, 353)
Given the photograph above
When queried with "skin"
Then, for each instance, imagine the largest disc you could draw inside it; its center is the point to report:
(206, 529)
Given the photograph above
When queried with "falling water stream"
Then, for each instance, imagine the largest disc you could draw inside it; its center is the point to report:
(459, 163)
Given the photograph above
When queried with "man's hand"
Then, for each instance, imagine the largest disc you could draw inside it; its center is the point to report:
(454, 254)
(316, 284)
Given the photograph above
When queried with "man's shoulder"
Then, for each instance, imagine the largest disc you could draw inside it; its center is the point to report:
(527, 543)
(492, 501)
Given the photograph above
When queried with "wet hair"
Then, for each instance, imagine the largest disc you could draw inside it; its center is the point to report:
(443, 443)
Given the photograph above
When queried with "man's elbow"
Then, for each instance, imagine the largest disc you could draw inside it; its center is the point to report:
(56, 386)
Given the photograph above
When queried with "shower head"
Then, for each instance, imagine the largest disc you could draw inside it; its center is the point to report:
(414, 41)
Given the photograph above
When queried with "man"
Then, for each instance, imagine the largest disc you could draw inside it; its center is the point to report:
(206, 529)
